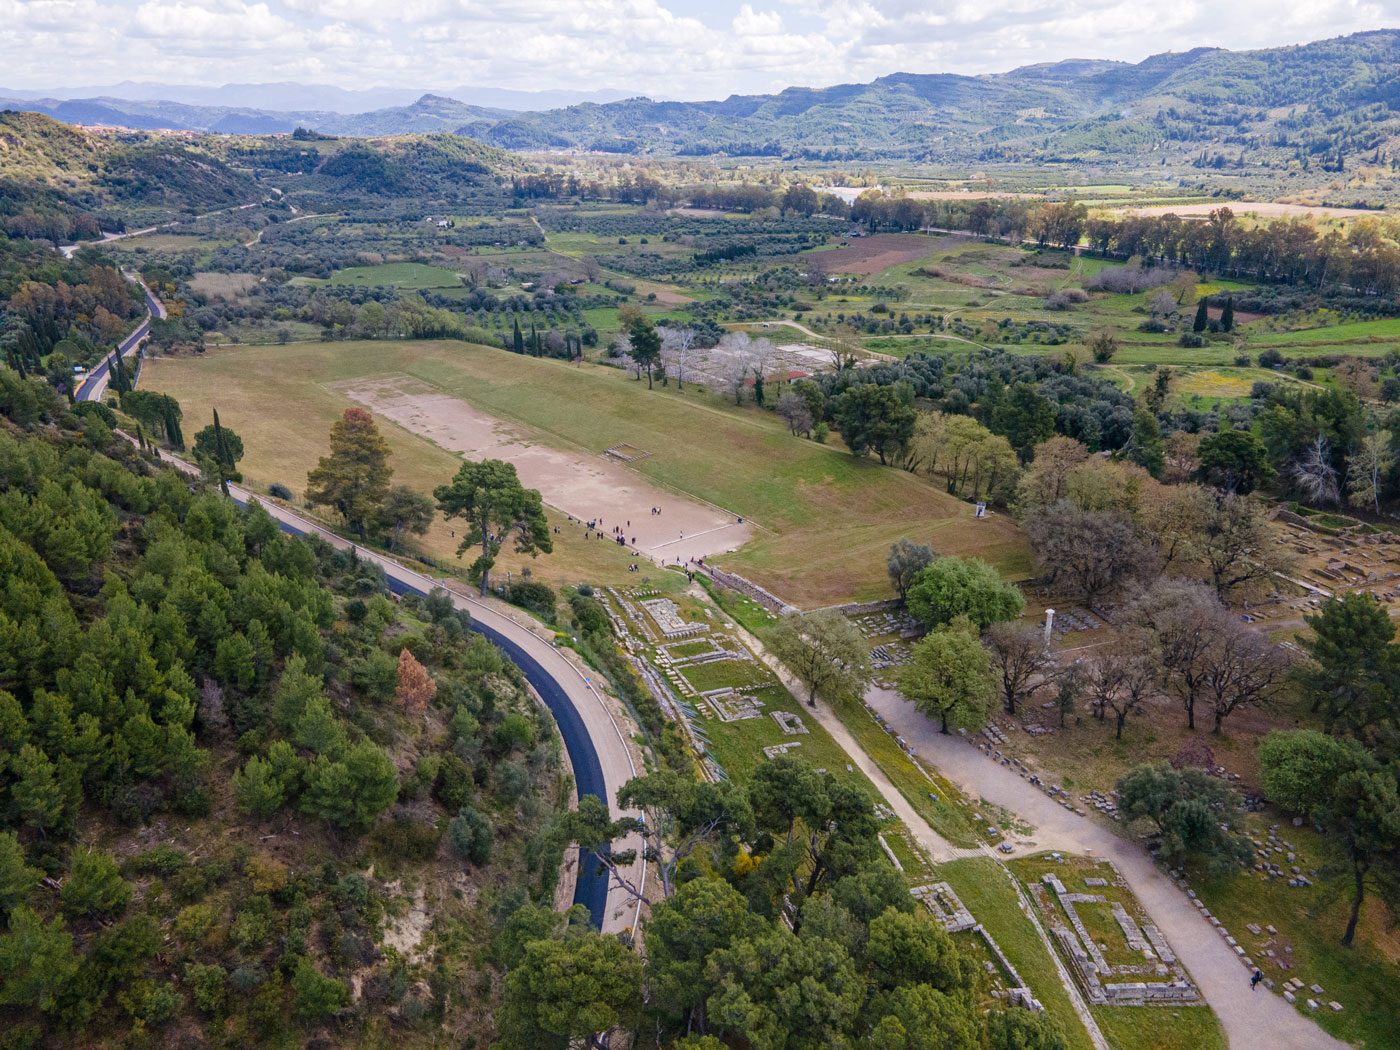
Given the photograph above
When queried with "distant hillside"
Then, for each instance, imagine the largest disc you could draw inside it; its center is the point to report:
(428, 115)
(1317, 103)
(1315, 99)
(53, 173)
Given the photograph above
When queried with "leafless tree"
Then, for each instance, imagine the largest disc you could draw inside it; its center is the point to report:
(736, 351)
(1094, 551)
(1181, 617)
(1237, 545)
(1019, 658)
(677, 350)
(792, 406)
(1240, 668)
(1120, 682)
(1314, 476)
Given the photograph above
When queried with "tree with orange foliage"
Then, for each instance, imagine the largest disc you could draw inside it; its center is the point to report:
(416, 686)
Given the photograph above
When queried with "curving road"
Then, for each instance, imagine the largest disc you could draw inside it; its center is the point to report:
(593, 739)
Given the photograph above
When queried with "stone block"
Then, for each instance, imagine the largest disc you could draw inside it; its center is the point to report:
(1336, 1006)
(1313, 1004)
(1290, 997)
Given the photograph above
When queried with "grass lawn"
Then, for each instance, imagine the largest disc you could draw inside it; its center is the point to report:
(1160, 1027)
(738, 746)
(408, 276)
(988, 894)
(284, 418)
(1310, 921)
(826, 518)
(945, 816)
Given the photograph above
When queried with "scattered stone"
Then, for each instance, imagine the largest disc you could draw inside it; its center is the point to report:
(1335, 1006)
(1290, 997)
(1312, 1004)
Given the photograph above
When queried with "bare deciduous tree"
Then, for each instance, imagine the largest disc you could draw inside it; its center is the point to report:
(1237, 545)
(1019, 658)
(1120, 683)
(1314, 476)
(1181, 617)
(1094, 551)
(1240, 668)
(677, 351)
(792, 406)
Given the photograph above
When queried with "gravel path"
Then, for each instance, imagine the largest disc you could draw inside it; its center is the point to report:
(1252, 1020)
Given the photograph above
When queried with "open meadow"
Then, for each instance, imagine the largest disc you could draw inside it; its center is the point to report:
(823, 518)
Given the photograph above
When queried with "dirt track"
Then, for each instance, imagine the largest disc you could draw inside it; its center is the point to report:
(588, 487)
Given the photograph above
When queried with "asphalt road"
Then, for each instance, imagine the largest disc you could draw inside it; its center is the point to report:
(593, 740)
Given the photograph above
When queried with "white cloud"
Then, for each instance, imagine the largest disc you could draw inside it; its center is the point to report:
(655, 47)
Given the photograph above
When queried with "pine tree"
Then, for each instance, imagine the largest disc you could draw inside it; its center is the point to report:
(1202, 318)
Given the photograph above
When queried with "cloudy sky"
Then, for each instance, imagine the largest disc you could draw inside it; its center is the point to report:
(672, 48)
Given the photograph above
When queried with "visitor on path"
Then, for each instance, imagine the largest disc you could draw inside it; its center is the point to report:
(1254, 981)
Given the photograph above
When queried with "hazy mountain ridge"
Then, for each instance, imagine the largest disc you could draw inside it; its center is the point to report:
(1283, 98)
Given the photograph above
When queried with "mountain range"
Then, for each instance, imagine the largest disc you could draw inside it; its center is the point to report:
(1329, 98)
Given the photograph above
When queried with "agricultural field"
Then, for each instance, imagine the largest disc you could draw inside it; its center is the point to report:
(405, 275)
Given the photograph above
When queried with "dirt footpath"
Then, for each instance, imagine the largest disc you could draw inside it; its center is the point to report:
(589, 488)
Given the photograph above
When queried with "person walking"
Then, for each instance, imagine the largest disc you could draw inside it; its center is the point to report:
(1254, 981)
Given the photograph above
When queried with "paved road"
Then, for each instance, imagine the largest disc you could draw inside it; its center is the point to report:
(594, 741)
(1252, 1020)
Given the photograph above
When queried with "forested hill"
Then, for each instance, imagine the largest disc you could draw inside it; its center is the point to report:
(61, 182)
(246, 798)
(1316, 98)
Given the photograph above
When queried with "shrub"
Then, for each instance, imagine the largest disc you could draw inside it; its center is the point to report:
(470, 835)
(314, 995)
(279, 491)
(208, 984)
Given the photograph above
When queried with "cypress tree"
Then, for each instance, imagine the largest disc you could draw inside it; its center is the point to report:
(221, 454)
(1202, 319)
(534, 341)
(519, 339)
(1227, 315)
(172, 426)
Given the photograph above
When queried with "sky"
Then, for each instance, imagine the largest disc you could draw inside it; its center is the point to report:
(680, 49)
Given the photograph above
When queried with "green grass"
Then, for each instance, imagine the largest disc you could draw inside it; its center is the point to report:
(945, 816)
(1310, 920)
(987, 893)
(408, 276)
(738, 746)
(1160, 1027)
(735, 674)
(826, 519)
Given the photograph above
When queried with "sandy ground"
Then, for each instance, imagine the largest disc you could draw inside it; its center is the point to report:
(1264, 209)
(590, 488)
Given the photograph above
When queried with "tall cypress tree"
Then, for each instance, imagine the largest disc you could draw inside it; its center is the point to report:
(519, 339)
(221, 454)
(1227, 315)
(1202, 318)
(534, 341)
